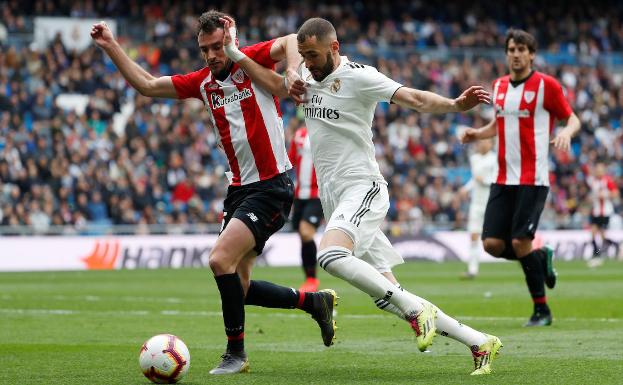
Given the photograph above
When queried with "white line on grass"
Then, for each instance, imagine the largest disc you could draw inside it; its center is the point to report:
(200, 313)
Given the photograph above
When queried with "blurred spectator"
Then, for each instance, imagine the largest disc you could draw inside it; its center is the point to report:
(160, 163)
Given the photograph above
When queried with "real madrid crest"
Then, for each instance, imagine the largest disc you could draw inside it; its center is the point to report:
(238, 76)
(335, 87)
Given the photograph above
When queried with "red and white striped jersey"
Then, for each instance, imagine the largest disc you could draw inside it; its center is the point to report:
(525, 115)
(247, 117)
(601, 195)
(300, 155)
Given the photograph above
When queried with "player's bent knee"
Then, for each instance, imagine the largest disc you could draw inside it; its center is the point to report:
(493, 247)
(522, 246)
(221, 263)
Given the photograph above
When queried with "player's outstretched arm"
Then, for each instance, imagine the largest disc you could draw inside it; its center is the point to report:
(141, 80)
(485, 132)
(425, 101)
(264, 77)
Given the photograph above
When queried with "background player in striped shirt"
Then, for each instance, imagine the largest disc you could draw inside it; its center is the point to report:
(248, 122)
(307, 210)
(339, 105)
(527, 103)
(603, 192)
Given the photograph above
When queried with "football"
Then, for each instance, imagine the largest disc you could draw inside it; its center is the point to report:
(164, 359)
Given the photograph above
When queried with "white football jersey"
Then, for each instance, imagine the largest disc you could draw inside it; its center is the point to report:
(338, 115)
(483, 166)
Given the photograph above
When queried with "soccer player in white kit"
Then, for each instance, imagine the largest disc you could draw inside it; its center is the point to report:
(483, 165)
(339, 105)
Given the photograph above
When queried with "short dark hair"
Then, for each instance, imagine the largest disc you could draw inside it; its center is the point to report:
(209, 21)
(520, 36)
(316, 26)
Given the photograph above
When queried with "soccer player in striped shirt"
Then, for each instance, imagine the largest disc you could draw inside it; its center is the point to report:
(248, 122)
(307, 210)
(339, 105)
(603, 192)
(527, 103)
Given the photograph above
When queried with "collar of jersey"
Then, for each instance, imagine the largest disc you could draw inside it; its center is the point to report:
(224, 83)
(325, 81)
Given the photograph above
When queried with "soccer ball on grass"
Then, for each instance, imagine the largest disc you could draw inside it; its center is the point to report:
(164, 359)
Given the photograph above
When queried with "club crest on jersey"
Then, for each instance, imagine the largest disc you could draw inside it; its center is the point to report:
(501, 95)
(528, 96)
(212, 86)
(238, 76)
(335, 87)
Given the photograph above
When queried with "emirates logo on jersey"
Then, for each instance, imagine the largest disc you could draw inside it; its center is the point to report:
(528, 96)
(219, 101)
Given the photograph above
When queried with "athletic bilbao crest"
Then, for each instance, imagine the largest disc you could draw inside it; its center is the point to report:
(528, 96)
(238, 76)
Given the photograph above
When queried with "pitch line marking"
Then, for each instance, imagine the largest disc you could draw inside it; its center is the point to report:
(201, 313)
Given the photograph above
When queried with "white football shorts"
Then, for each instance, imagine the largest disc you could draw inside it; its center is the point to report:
(358, 209)
(476, 218)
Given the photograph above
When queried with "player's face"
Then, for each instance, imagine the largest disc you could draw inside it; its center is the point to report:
(600, 170)
(518, 57)
(318, 57)
(211, 47)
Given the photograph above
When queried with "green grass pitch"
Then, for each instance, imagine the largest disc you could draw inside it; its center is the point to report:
(87, 328)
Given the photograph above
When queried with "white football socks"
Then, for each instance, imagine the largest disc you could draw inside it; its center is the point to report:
(474, 256)
(340, 262)
(446, 325)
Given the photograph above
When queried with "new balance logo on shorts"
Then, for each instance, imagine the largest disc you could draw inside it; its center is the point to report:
(252, 216)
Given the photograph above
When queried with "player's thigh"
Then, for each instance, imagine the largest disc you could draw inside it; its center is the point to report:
(336, 237)
(231, 246)
(529, 205)
(498, 218)
(359, 212)
(381, 254)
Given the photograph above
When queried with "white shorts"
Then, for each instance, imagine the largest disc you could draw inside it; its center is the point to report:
(358, 209)
(476, 218)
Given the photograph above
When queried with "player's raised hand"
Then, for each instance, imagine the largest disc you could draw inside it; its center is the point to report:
(295, 86)
(229, 29)
(562, 141)
(471, 97)
(101, 34)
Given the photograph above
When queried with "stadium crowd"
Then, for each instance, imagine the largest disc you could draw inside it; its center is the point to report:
(159, 163)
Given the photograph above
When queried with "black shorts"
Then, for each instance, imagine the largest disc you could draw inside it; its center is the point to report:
(600, 222)
(263, 206)
(308, 210)
(513, 212)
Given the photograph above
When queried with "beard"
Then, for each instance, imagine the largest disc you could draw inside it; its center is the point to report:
(325, 70)
(224, 72)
